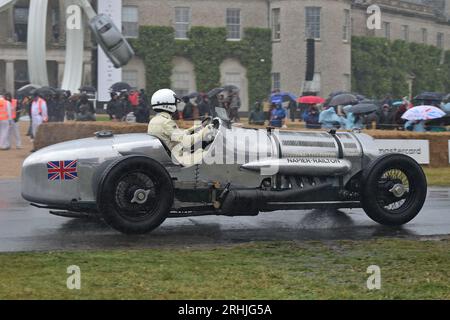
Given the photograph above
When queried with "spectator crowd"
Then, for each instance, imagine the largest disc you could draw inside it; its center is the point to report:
(353, 112)
(342, 110)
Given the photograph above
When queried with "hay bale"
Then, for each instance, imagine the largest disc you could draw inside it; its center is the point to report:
(52, 133)
(57, 132)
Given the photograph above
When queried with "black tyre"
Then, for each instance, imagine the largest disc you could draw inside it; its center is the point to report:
(135, 195)
(394, 189)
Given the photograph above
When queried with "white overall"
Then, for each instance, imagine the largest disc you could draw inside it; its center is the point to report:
(5, 129)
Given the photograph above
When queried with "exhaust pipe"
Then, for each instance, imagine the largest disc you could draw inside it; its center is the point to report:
(250, 202)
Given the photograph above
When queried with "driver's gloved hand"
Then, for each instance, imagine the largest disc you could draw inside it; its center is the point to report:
(208, 133)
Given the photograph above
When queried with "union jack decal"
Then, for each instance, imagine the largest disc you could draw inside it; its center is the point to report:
(62, 170)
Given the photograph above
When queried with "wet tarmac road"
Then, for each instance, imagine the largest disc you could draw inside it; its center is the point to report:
(24, 228)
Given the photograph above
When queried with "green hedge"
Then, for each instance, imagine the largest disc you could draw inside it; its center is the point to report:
(380, 67)
(206, 48)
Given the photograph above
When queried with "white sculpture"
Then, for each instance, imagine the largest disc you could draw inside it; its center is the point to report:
(119, 52)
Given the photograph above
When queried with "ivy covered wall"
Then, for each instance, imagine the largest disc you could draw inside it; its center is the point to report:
(206, 48)
(381, 67)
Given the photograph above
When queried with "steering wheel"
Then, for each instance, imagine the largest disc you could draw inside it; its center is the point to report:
(207, 121)
(216, 123)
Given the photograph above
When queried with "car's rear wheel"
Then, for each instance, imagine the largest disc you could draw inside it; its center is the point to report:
(394, 190)
(135, 195)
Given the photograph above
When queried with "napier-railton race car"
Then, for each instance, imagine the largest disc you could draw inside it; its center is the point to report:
(133, 181)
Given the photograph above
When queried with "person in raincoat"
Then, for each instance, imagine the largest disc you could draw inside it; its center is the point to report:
(39, 113)
(311, 117)
(330, 120)
(386, 118)
(415, 125)
(257, 116)
(278, 117)
(5, 123)
(446, 108)
(349, 119)
(14, 132)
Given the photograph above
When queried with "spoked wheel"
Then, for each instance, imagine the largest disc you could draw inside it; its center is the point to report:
(394, 190)
(135, 195)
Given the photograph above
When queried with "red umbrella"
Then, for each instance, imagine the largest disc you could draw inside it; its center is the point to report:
(311, 100)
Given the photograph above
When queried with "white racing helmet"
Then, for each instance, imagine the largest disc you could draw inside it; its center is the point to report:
(165, 100)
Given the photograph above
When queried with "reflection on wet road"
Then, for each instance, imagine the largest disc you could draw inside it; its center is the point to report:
(24, 228)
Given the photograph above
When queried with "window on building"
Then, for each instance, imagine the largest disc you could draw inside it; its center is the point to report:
(55, 24)
(276, 24)
(440, 40)
(387, 30)
(276, 81)
(405, 32)
(130, 77)
(21, 24)
(312, 27)
(234, 24)
(130, 21)
(233, 79)
(424, 36)
(181, 83)
(182, 22)
(347, 26)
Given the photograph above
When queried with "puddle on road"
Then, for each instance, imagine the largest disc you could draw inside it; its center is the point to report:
(439, 194)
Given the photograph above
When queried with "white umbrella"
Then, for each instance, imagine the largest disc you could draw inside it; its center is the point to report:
(423, 113)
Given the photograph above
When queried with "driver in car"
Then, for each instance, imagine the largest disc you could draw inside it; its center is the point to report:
(185, 145)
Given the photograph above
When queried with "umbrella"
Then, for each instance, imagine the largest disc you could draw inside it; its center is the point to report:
(430, 96)
(311, 100)
(343, 99)
(215, 92)
(192, 95)
(282, 97)
(423, 113)
(61, 91)
(45, 91)
(120, 86)
(358, 96)
(363, 107)
(27, 90)
(336, 93)
(230, 88)
(397, 103)
(87, 89)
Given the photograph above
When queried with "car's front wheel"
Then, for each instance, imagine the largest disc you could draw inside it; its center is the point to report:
(135, 195)
(394, 190)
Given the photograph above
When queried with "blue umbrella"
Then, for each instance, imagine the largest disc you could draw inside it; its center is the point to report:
(281, 97)
(397, 103)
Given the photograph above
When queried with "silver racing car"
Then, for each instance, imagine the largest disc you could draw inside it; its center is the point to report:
(133, 181)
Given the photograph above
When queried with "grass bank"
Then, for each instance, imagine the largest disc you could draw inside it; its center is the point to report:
(438, 177)
(410, 269)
